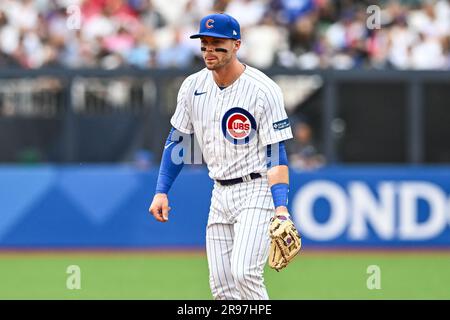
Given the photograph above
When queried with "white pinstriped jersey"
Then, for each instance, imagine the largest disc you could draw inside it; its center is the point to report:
(232, 125)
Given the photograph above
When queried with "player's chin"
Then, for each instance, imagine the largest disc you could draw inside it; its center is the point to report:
(211, 64)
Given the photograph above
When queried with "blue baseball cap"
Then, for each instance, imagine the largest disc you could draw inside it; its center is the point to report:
(219, 25)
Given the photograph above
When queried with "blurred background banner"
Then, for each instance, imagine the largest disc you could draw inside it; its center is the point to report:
(97, 207)
(106, 207)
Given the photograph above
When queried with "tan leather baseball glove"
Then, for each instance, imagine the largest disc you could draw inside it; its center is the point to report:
(285, 241)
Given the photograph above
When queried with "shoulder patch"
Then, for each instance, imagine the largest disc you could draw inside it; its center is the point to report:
(282, 124)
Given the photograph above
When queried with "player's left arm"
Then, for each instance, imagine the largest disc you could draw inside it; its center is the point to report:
(278, 176)
(274, 129)
(285, 240)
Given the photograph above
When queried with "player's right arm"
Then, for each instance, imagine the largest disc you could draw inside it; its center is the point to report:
(172, 161)
(171, 165)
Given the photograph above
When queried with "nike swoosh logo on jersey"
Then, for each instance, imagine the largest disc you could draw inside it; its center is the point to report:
(199, 93)
(165, 147)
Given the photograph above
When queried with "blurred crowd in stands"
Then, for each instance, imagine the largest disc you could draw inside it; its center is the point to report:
(291, 33)
(305, 34)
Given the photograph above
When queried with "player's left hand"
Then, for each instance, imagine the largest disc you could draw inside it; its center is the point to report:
(285, 241)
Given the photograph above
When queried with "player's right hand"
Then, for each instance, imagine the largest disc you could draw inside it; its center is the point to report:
(160, 207)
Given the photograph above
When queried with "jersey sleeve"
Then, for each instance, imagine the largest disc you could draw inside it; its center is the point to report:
(274, 124)
(181, 119)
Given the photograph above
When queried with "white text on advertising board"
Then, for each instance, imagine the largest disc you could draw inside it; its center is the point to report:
(391, 211)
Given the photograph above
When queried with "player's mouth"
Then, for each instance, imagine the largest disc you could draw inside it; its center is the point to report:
(210, 58)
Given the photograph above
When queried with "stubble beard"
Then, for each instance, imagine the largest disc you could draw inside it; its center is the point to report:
(219, 64)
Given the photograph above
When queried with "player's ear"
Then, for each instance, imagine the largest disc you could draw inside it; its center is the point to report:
(237, 44)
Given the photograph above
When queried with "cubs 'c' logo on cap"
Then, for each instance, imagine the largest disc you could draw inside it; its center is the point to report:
(208, 23)
(238, 126)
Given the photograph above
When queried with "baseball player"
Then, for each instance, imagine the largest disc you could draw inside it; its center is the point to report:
(237, 115)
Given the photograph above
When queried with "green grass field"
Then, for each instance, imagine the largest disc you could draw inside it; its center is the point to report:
(312, 275)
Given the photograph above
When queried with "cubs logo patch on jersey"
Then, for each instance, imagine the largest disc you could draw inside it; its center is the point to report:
(238, 126)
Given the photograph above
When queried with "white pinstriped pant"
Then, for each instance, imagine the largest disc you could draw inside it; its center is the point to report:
(237, 240)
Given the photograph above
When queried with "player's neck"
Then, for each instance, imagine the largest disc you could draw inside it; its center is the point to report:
(228, 74)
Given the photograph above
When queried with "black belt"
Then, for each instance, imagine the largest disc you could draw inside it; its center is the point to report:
(251, 176)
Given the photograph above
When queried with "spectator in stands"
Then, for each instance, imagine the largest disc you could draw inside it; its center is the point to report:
(303, 153)
(179, 55)
(248, 12)
(261, 52)
(142, 55)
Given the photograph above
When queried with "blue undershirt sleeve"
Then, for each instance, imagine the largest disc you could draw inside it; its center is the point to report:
(275, 158)
(168, 170)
